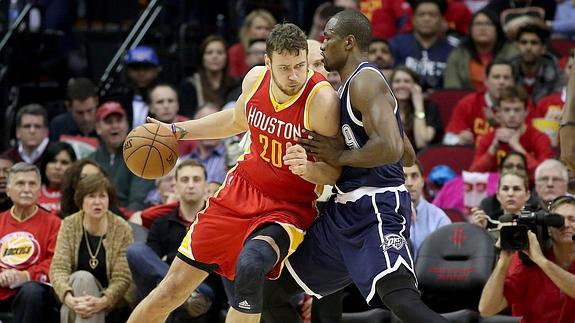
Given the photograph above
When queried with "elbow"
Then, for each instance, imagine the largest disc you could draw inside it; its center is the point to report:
(394, 152)
(485, 312)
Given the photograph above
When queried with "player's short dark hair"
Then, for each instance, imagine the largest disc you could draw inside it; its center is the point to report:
(541, 33)
(32, 109)
(497, 62)
(286, 37)
(192, 163)
(353, 22)
(80, 89)
(441, 4)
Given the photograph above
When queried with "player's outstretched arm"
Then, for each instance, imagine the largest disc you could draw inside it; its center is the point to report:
(316, 172)
(567, 130)
(221, 124)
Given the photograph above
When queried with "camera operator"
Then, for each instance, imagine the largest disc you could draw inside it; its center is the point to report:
(512, 194)
(545, 291)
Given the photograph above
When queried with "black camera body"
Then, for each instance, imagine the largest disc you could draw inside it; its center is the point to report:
(514, 237)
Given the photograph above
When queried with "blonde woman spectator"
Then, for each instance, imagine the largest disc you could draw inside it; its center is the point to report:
(258, 24)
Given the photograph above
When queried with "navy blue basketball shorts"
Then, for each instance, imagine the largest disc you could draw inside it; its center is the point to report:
(360, 237)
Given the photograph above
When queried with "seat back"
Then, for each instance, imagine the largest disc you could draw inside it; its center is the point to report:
(457, 157)
(453, 265)
(455, 215)
(446, 101)
(562, 46)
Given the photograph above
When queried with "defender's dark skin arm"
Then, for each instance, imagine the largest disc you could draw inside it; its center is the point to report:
(385, 145)
(408, 152)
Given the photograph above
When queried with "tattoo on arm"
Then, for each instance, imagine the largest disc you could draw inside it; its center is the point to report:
(182, 132)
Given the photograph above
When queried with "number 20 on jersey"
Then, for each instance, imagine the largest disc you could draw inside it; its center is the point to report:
(272, 151)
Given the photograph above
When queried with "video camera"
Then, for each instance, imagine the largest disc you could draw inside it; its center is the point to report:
(514, 237)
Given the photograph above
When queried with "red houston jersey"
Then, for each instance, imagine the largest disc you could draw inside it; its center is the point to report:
(272, 125)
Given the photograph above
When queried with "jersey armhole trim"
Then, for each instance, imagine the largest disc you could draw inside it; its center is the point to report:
(254, 88)
(310, 97)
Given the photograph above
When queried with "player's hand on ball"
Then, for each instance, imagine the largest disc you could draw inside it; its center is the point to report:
(296, 158)
(163, 124)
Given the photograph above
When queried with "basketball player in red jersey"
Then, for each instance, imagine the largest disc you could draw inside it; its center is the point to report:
(259, 215)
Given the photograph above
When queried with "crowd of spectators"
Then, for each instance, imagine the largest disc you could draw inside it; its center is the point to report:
(66, 172)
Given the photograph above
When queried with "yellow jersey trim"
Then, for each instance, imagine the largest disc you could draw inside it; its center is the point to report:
(308, 102)
(254, 88)
(296, 238)
(282, 106)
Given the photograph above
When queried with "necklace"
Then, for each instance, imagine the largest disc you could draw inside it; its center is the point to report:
(93, 262)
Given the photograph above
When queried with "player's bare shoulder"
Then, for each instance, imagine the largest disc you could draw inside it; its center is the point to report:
(367, 81)
(368, 85)
(252, 77)
(324, 111)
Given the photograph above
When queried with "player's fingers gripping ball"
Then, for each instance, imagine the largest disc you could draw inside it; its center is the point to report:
(150, 151)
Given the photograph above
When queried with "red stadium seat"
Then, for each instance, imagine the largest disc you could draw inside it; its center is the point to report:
(457, 157)
(455, 215)
(562, 46)
(446, 101)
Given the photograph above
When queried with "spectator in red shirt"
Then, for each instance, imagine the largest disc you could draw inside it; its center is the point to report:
(258, 24)
(545, 291)
(28, 238)
(513, 134)
(474, 115)
(393, 17)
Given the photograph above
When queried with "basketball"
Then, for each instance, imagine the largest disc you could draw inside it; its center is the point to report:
(150, 151)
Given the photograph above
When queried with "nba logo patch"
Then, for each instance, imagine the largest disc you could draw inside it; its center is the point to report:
(393, 241)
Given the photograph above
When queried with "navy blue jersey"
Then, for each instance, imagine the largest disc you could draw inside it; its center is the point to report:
(389, 175)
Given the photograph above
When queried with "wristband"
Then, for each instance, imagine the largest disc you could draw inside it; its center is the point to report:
(174, 130)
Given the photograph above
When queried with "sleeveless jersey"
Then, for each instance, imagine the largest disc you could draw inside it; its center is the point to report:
(390, 175)
(271, 126)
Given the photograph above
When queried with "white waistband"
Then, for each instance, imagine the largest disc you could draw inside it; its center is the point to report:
(363, 191)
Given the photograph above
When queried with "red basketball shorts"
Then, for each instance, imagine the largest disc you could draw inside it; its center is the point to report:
(232, 215)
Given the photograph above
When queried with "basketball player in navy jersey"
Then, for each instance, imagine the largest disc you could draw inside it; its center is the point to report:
(362, 235)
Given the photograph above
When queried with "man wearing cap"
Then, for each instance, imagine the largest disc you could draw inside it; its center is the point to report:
(142, 70)
(112, 128)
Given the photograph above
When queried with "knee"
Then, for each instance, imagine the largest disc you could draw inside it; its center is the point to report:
(31, 292)
(82, 275)
(135, 251)
(250, 269)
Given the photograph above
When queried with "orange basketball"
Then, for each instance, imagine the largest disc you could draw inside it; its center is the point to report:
(150, 151)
